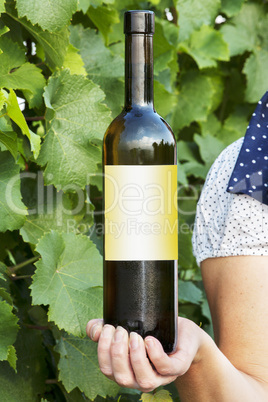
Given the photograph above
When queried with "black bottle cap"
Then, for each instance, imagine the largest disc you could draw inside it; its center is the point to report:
(139, 21)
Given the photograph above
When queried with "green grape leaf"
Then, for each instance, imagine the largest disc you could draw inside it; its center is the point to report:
(234, 126)
(196, 169)
(54, 44)
(12, 210)
(102, 67)
(263, 34)
(29, 380)
(194, 13)
(75, 117)
(164, 100)
(103, 18)
(13, 55)
(14, 112)
(5, 295)
(188, 292)
(181, 175)
(80, 356)
(50, 209)
(218, 85)
(170, 31)
(239, 39)
(84, 4)
(31, 361)
(5, 122)
(29, 79)
(206, 46)
(8, 329)
(186, 258)
(51, 16)
(187, 151)
(168, 76)
(242, 32)
(68, 279)
(9, 140)
(209, 147)
(187, 199)
(3, 29)
(256, 72)
(16, 74)
(2, 98)
(163, 50)
(14, 387)
(194, 100)
(3, 269)
(12, 357)
(2, 6)
(76, 395)
(231, 7)
(159, 396)
(211, 126)
(38, 315)
(4, 285)
(73, 61)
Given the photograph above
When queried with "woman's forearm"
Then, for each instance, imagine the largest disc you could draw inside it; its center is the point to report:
(212, 377)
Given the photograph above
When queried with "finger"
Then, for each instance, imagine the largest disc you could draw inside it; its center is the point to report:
(122, 370)
(104, 350)
(147, 378)
(94, 328)
(172, 365)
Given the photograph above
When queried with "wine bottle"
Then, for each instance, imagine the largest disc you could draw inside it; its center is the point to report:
(140, 201)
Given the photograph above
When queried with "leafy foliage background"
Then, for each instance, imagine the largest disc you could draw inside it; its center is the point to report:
(64, 61)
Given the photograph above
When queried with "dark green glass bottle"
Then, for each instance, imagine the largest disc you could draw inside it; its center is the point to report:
(140, 242)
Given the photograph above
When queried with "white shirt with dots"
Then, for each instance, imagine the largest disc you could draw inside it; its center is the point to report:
(228, 224)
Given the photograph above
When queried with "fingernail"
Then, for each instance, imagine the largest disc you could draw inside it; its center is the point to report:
(107, 331)
(94, 330)
(118, 335)
(149, 343)
(134, 340)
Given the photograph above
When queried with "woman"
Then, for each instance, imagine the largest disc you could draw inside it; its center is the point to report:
(230, 242)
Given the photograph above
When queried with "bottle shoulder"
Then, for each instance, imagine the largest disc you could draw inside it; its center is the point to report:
(137, 123)
(139, 137)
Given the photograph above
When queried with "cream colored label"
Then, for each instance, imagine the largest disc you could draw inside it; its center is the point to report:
(141, 218)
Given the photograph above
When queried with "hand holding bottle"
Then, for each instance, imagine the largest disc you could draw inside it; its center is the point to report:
(125, 359)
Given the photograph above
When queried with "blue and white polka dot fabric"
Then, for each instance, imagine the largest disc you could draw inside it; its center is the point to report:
(250, 174)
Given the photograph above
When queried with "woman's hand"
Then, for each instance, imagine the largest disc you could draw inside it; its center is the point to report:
(123, 358)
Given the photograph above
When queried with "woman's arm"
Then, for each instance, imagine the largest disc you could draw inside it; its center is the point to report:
(236, 370)
(237, 290)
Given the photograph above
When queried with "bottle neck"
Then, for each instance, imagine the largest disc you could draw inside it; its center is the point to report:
(139, 71)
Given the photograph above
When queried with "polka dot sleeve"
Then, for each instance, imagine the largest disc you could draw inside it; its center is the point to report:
(228, 224)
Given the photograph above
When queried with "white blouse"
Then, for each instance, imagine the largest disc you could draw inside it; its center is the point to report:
(228, 224)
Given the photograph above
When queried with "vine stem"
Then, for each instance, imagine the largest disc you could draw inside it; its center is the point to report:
(39, 327)
(15, 268)
(52, 381)
(14, 277)
(34, 118)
